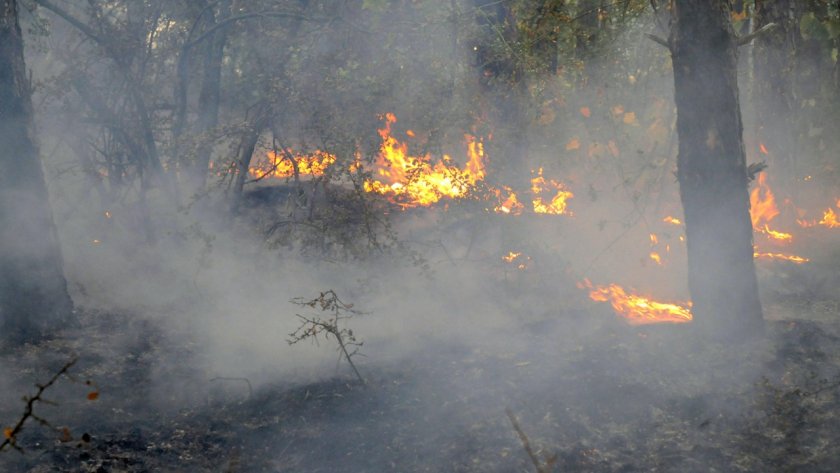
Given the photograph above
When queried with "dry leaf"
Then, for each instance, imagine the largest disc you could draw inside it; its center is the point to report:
(93, 395)
(585, 112)
(573, 144)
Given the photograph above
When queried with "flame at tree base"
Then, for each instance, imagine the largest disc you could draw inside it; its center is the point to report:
(638, 310)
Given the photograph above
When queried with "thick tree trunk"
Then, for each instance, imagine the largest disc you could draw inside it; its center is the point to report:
(33, 291)
(711, 169)
(773, 86)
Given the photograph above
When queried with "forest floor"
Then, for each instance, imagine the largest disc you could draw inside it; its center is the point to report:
(628, 399)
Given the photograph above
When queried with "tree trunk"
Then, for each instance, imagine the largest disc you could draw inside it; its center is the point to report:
(773, 86)
(209, 97)
(711, 169)
(33, 291)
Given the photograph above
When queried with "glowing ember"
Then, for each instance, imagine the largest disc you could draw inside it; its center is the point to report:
(557, 206)
(517, 258)
(763, 148)
(780, 256)
(672, 220)
(412, 181)
(638, 310)
(281, 165)
(656, 258)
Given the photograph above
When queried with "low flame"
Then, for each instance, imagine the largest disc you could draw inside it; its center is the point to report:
(781, 256)
(415, 181)
(557, 205)
(829, 219)
(638, 310)
(508, 205)
(672, 220)
(781, 237)
(282, 164)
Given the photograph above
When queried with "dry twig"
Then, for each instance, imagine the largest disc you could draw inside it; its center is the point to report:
(10, 433)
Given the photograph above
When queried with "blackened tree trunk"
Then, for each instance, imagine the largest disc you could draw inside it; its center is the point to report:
(773, 87)
(33, 291)
(711, 169)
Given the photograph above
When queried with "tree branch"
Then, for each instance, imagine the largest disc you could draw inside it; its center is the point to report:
(658, 40)
(761, 31)
(11, 433)
(87, 30)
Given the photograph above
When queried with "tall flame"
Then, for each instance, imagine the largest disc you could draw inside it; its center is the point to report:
(638, 310)
(762, 203)
(413, 181)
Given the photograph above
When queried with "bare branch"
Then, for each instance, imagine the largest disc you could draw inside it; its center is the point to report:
(11, 433)
(526, 444)
(658, 40)
(761, 31)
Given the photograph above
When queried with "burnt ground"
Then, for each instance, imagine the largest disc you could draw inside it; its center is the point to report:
(617, 399)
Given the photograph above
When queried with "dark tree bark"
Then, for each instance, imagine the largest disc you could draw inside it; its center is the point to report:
(773, 86)
(33, 291)
(711, 169)
(209, 96)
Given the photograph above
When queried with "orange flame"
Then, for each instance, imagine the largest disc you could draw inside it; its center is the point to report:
(781, 256)
(638, 310)
(510, 205)
(781, 237)
(762, 203)
(413, 181)
(672, 220)
(517, 258)
(830, 218)
(656, 258)
(557, 206)
(279, 164)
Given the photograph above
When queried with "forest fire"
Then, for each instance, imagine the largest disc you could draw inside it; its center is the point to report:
(282, 164)
(413, 181)
(829, 219)
(638, 310)
(763, 209)
(418, 181)
(557, 205)
(781, 257)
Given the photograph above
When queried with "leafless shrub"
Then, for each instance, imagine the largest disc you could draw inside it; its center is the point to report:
(338, 313)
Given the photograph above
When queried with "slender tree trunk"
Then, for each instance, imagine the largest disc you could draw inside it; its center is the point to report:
(209, 98)
(247, 147)
(711, 169)
(773, 87)
(33, 291)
